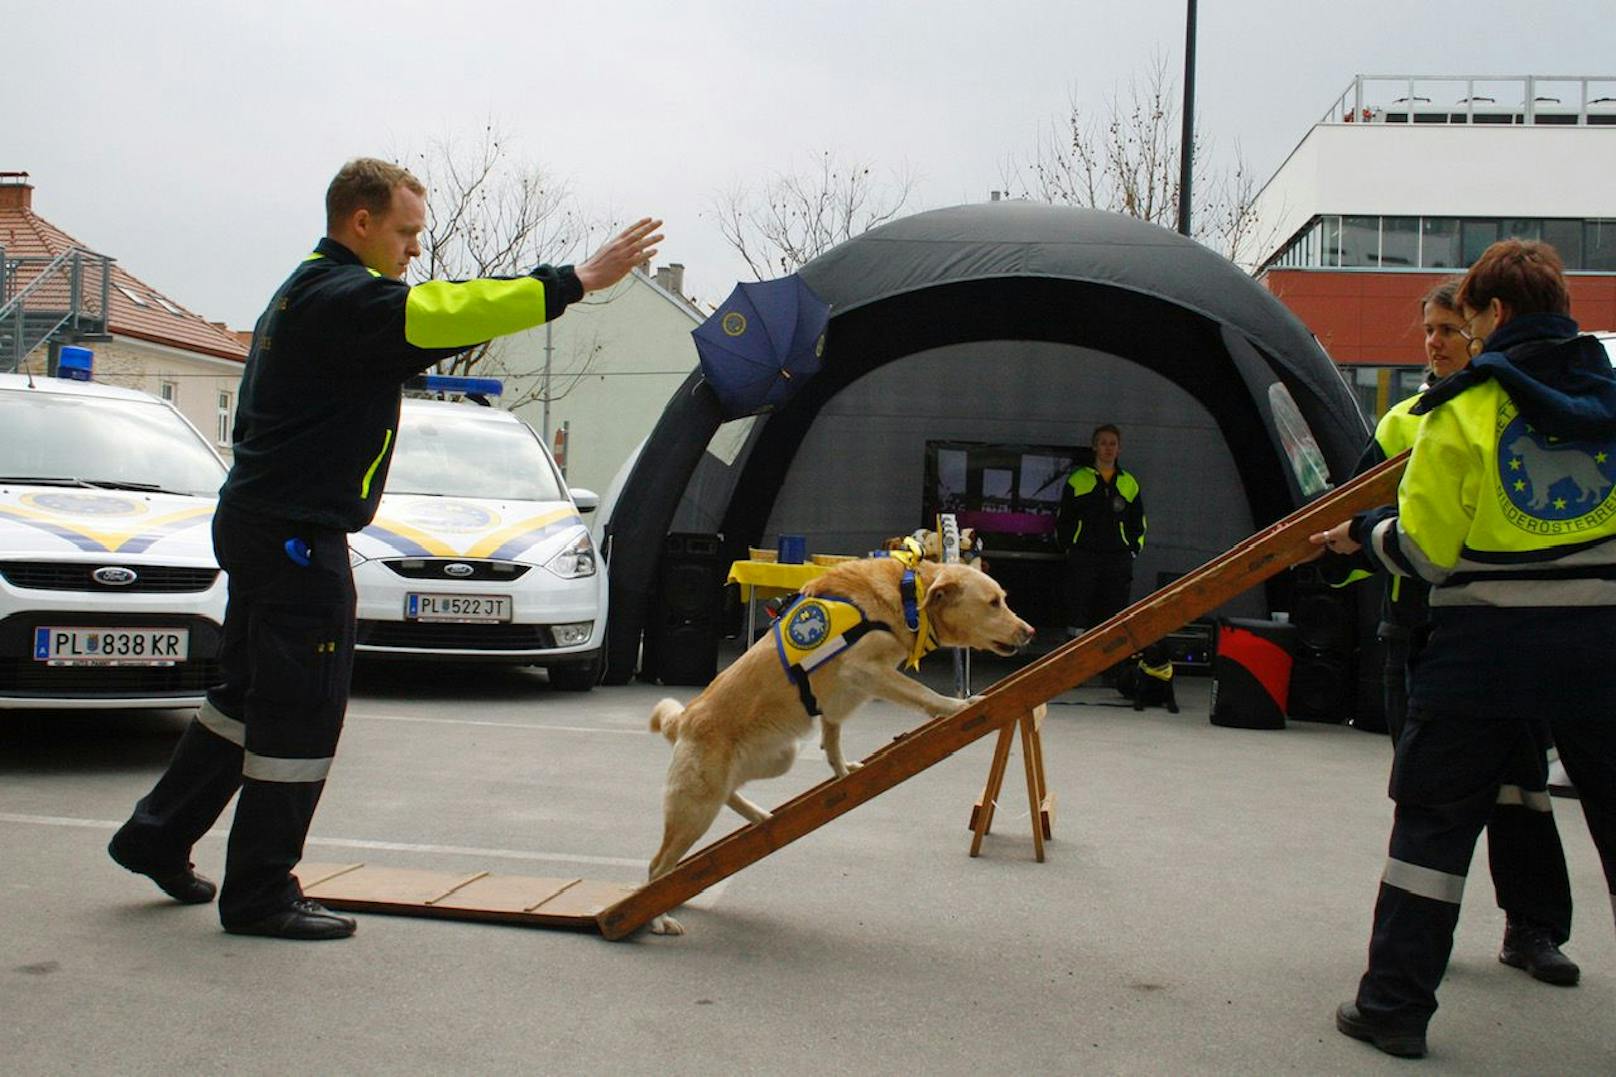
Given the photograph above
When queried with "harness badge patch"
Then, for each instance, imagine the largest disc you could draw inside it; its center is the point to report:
(1549, 486)
(809, 625)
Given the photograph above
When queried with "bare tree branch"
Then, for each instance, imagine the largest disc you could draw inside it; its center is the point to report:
(796, 216)
(1126, 160)
(492, 215)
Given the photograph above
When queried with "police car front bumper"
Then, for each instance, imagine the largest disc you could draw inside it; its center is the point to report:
(29, 682)
(549, 618)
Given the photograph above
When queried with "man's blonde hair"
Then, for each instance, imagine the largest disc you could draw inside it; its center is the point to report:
(365, 183)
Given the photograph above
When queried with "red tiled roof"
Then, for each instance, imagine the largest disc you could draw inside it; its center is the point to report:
(25, 234)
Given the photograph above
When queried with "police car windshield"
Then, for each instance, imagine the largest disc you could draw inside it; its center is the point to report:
(124, 444)
(470, 452)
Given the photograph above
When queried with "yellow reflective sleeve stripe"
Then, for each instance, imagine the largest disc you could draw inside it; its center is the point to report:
(370, 473)
(446, 314)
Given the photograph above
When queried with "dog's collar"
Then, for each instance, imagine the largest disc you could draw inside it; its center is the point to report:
(913, 590)
(1163, 672)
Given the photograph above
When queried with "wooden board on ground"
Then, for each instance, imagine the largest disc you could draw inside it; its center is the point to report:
(480, 895)
(1249, 563)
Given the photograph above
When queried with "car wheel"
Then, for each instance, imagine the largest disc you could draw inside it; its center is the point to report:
(578, 677)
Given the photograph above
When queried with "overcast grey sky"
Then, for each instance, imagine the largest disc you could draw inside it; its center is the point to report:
(193, 140)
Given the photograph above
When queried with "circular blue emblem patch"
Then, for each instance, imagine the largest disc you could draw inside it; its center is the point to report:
(85, 504)
(451, 516)
(808, 626)
(733, 323)
(1552, 486)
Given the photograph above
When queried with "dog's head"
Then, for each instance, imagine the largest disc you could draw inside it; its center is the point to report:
(966, 607)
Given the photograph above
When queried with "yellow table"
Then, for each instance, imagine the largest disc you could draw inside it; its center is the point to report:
(772, 579)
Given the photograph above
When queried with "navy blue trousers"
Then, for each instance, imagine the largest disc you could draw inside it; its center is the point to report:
(1447, 778)
(271, 728)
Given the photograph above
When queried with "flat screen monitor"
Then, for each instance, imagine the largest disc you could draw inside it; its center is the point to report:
(1008, 492)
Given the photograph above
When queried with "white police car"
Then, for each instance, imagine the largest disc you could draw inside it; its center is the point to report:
(478, 551)
(109, 593)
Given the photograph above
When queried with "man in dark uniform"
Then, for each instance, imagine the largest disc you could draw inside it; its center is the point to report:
(314, 434)
(1101, 526)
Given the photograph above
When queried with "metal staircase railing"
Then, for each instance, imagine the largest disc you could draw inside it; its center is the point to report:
(62, 299)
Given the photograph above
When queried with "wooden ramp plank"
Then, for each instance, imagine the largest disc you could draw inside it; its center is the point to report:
(1249, 563)
(482, 896)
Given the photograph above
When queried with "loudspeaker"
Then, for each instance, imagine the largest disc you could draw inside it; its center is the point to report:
(682, 639)
(1323, 686)
(1326, 618)
(1251, 674)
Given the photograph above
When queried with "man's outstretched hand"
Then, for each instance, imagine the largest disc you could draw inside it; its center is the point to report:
(633, 245)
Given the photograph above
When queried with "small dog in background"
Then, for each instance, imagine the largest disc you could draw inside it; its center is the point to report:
(1147, 679)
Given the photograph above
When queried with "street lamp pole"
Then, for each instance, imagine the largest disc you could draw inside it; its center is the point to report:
(1186, 152)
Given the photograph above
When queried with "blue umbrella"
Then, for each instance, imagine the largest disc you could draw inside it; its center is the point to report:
(762, 344)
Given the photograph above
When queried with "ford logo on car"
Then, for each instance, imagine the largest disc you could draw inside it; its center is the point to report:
(115, 576)
(458, 569)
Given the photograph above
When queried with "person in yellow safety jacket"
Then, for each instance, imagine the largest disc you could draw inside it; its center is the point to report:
(316, 420)
(1100, 525)
(1508, 510)
(1524, 853)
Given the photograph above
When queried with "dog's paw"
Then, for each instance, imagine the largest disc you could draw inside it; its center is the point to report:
(666, 925)
(854, 764)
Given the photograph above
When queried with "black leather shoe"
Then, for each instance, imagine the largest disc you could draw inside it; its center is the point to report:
(1529, 947)
(1402, 1042)
(186, 887)
(302, 919)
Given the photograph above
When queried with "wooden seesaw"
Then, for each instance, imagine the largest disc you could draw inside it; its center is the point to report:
(618, 909)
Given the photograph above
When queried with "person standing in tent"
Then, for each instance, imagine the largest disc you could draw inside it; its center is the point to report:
(1101, 527)
(1523, 844)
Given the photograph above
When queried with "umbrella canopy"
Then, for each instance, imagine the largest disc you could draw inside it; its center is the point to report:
(762, 344)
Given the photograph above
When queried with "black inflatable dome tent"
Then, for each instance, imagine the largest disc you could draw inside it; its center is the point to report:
(1005, 321)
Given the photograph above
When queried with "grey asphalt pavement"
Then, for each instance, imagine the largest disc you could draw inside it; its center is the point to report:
(1204, 907)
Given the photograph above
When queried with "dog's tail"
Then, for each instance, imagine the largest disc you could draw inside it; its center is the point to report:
(666, 717)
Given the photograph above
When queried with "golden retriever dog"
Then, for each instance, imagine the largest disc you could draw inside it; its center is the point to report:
(748, 722)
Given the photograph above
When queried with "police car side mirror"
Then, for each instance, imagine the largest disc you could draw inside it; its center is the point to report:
(586, 500)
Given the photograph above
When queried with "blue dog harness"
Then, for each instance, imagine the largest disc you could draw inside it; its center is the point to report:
(816, 628)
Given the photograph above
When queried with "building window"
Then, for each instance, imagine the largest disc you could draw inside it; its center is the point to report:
(1565, 237)
(1443, 242)
(166, 305)
(1599, 246)
(1439, 242)
(1523, 228)
(1475, 237)
(1360, 241)
(1400, 242)
(169, 391)
(1332, 241)
(131, 296)
(223, 433)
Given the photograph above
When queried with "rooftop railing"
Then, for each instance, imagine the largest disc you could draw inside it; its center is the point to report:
(1559, 100)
